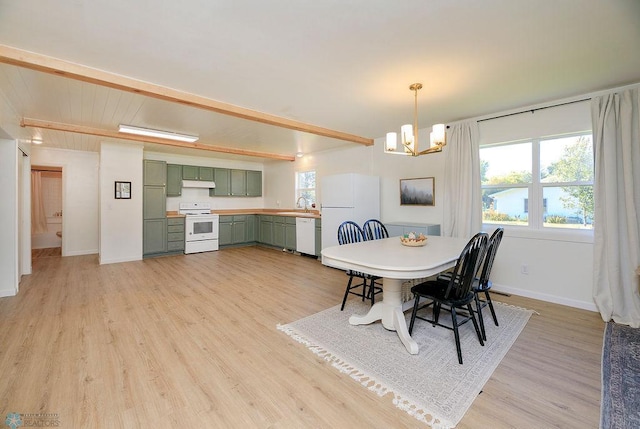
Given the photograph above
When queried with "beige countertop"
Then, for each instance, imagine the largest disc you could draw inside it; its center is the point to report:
(315, 214)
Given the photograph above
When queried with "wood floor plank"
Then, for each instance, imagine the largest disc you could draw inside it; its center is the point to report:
(191, 341)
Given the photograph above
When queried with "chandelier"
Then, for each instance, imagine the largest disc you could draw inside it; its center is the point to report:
(409, 134)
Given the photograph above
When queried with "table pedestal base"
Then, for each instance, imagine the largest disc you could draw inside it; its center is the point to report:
(391, 312)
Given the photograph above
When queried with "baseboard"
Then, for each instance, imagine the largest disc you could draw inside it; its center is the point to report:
(80, 252)
(590, 306)
(119, 260)
(7, 292)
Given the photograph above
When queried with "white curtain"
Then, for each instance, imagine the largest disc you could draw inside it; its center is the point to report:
(462, 204)
(616, 133)
(38, 216)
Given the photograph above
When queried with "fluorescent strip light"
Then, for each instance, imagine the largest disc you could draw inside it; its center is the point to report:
(157, 133)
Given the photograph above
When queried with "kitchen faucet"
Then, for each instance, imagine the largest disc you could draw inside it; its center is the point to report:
(306, 210)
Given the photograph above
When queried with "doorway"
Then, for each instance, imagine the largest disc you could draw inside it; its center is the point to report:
(46, 211)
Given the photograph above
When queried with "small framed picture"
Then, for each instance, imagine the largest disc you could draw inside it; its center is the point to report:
(123, 191)
(417, 192)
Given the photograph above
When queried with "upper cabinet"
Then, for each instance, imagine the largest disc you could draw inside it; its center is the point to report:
(229, 182)
(239, 183)
(155, 173)
(222, 177)
(174, 180)
(193, 172)
(254, 183)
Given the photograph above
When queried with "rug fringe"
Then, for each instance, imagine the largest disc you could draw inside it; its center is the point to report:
(515, 306)
(368, 381)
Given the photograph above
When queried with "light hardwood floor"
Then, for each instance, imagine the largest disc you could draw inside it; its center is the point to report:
(191, 342)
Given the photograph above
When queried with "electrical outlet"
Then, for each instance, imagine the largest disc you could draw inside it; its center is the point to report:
(524, 269)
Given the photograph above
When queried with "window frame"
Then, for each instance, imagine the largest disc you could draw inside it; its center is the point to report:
(535, 195)
(299, 191)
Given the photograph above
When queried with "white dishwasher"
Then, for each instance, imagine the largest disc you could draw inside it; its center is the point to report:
(306, 235)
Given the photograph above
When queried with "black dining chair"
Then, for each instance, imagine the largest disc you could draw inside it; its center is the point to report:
(455, 293)
(482, 283)
(350, 232)
(373, 229)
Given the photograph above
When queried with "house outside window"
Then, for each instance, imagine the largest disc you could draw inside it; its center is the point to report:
(539, 183)
(306, 187)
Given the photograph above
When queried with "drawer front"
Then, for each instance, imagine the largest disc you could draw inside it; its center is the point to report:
(175, 228)
(226, 219)
(175, 221)
(175, 236)
(290, 220)
(175, 245)
(240, 218)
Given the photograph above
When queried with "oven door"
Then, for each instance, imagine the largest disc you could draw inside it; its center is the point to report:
(198, 228)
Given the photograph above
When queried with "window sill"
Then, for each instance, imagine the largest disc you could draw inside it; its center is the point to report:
(550, 234)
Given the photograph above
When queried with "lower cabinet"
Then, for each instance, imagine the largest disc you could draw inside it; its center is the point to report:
(284, 232)
(175, 234)
(154, 236)
(237, 229)
(318, 237)
(266, 230)
(396, 229)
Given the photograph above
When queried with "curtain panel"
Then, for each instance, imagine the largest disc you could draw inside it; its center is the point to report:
(616, 134)
(463, 205)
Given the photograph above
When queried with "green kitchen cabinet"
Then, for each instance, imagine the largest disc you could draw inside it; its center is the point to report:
(279, 231)
(254, 183)
(290, 233)
(174, 180)
(154, 202)
(193, 172)
(252, 228)
(190, 172)
(225, 231)
(154, 236)
(239, 235)
(318, 237)
(155, 172)
(175, 234)
(266, 230)
(238, 183)
(222, 177)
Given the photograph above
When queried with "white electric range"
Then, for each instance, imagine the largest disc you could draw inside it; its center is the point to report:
(200, 227)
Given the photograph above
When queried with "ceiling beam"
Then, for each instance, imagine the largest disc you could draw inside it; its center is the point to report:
(80, 129)
(46, 64)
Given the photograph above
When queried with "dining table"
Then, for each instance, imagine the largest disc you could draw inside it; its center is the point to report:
(395, 263)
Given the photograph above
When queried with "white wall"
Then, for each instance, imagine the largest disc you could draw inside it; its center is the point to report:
(202, 195)
(559, 264)
(120, 219)
(80, 190)
(9, 218)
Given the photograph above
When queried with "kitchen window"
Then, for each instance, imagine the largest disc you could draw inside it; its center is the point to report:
(541, 183)
(306, 186)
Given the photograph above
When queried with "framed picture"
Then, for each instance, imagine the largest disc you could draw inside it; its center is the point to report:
(123, 191)
(417, 192)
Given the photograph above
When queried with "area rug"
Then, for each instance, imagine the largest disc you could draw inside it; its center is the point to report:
(620, 377)
(431, 386)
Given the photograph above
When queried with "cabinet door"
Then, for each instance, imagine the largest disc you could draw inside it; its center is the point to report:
(190, 172)
(266, 231)
(239, 232)
(290, 236)
(225, 233)
(174, 180)
(238, 183)
(223, 182)
(154, 236)
(318, 237)
(278, 234)
(155, 172)
(254, 183)
(154, 202)
(251, 228)
(205, 173)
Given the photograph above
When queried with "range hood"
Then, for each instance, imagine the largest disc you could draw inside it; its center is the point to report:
(198, 184)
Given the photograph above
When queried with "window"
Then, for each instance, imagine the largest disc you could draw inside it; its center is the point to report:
(306, 187)
(558, 195)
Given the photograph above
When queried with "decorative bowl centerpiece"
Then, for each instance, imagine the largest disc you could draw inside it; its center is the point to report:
(413, 240)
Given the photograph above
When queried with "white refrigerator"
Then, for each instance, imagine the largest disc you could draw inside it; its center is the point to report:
(349, 196)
